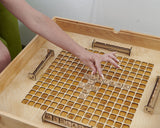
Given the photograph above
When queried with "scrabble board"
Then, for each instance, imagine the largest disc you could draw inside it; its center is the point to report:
(67, 89)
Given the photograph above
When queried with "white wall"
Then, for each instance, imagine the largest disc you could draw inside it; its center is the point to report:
(134, 15)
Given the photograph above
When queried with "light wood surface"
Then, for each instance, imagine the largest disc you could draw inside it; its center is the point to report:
(9, 121)
(15, 84)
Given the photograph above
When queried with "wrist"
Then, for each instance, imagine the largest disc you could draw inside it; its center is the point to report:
(80, 52)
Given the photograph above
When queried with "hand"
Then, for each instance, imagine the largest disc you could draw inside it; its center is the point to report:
(93, 60)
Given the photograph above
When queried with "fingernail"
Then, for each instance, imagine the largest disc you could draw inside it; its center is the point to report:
(119, 66)
(117, 60)
(102, 76)
(92, 72)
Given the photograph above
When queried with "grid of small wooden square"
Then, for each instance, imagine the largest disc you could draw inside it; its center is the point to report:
(113, 104)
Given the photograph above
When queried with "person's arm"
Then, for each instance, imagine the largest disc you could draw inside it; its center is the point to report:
(48, 29)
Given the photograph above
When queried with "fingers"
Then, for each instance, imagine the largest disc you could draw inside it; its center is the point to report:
(98, 66)
(112, 59)
(113, 62)
(113, 56)
(114, 53)
(94, 61)
(108, 58)
(93, 67)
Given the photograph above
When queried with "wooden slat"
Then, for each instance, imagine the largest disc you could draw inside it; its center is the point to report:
(123, 36)
(20, 61)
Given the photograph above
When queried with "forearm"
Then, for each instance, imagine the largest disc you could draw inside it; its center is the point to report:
(42, 25)
(45, 27)
(51, 31)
